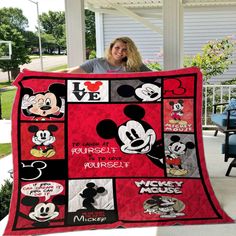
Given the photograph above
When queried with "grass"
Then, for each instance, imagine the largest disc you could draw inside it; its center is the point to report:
(32, 57)
(56, 68)
(5, 84)
(5, 149)
(7, 98)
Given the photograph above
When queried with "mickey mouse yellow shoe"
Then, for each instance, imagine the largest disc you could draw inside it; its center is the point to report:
(178, 172)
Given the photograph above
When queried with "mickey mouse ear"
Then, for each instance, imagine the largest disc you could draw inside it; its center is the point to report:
(100, 190)
(39, 164)
(126, 91)
(107, 129)
(134, 112)
(90, 185)
(52, 128)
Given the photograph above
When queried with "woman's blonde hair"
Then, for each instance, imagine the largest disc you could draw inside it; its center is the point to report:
(134, 60)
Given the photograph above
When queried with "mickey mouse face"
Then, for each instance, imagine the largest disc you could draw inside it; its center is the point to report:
(148, 92)
(134, 137)
(44, 212)
(41, 136)
(177, 107)
(44, 105)
(177, 148)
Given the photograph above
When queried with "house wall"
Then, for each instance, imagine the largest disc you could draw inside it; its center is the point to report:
(148, 42)
(201, 24)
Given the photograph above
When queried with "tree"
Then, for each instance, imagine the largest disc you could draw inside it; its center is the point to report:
(12, 28)
(31, 40)
(14, 17)
(216, 57)
(53, 23)
(48, 43)
(19, 51)
(90, 34)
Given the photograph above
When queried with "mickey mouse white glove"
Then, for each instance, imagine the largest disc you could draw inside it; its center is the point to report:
(27, 101)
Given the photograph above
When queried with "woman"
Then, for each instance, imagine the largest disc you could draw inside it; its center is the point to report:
(121, 56)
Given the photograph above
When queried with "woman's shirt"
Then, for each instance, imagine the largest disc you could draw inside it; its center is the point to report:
(101, 66)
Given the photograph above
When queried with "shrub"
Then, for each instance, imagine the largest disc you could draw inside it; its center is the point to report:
(92, 54)
(215, 59)
(5, 197)
(153, 65)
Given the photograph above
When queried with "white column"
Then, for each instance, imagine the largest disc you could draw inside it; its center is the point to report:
(173, 34)
(75, 32)
(99, 34)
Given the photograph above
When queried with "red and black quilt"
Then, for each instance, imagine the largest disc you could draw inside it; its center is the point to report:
(95, 151)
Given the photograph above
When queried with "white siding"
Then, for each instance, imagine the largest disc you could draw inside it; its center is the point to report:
(148, 42)
(201, 24)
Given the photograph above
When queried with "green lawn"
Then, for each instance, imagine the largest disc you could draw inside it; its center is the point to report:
(62, 67)
(5, 149)
(5, 84)
(7, 98)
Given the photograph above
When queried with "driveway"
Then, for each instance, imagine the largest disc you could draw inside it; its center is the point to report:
(48, 62)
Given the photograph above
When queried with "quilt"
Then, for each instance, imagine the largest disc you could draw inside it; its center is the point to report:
(96, 151)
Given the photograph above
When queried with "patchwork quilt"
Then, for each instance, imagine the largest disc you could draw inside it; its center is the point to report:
(95, 151)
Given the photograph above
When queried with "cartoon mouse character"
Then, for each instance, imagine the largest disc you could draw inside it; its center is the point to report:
(49, 104)
(43, 140)
(89, 194)
(42, 213)
(149, 91)
(177, 112)
(134, 136)
(176, 149)
(166, 207)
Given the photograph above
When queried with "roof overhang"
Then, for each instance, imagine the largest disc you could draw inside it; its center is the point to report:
(131, 8)
(147, 4)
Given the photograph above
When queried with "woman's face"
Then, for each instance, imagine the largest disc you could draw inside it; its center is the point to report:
(119, 51)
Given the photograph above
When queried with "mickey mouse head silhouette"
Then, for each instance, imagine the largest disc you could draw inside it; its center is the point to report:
(93, 87)
(134, 136)
(32, 171)
(89, 194)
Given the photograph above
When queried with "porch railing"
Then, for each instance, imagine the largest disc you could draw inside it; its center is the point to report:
(213, 94)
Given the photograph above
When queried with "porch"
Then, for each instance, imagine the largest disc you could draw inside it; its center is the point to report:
(155, 26)
(213, 94)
